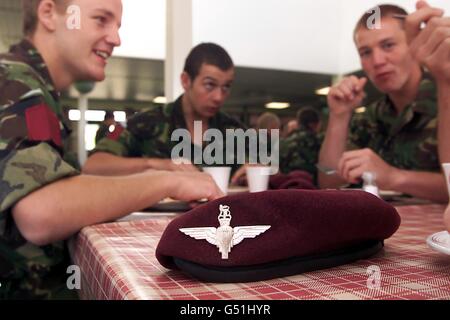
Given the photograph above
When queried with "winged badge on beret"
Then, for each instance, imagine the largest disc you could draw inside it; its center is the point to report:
(225, 237)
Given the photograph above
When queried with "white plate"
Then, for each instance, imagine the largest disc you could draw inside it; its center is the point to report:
(237, 189)
(390, 193)
(147, 215)
(440, 242)
(382, 193)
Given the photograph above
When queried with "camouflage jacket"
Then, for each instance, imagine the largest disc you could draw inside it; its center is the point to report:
(149, 133)
(407, 141)
(32, 136)
(300, 151)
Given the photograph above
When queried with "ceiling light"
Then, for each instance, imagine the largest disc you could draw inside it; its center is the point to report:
(160, 100)
(278, 105)
(96, 115)
(91, 115)
(74, 115)
(360, 110)
(323, 91)
(120, 116)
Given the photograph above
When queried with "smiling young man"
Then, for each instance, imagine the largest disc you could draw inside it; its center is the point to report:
(207, 78)
(396, 138)
(43, 199)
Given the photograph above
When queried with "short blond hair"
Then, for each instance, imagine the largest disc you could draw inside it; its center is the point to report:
(30, 17)
(386, 11)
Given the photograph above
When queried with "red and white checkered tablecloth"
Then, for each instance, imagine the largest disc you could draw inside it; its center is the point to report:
(117, 261)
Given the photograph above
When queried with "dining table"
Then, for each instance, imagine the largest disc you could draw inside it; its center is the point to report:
(117, 262)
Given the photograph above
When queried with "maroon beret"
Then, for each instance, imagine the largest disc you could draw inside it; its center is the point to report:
(276, 233)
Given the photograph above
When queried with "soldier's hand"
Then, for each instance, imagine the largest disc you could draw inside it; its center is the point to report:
(430, 45)
(193, 186)
(239, 176)
(423, 14)
(353, 164)
(345, 96)
(186, 166)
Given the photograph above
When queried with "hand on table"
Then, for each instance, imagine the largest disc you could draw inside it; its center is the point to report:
(193, 186)
(353, 164)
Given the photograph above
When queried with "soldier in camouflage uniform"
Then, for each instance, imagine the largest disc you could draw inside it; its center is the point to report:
(207, 78)
(406, 141)
(300, 150)
(396, 138)
(40, 192)
(27, 98)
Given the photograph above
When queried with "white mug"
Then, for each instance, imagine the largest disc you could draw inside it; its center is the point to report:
(258, 178)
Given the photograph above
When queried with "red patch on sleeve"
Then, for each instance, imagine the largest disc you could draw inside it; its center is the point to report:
(116, 133)
(43, 124)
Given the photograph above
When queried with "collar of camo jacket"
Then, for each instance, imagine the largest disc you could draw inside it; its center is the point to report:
(27, 53)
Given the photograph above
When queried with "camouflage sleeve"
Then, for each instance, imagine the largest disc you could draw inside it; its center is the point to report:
(24, 171)
(119, 143)
(30, 150)
(143, 130)
(358, 136)
(300, 152)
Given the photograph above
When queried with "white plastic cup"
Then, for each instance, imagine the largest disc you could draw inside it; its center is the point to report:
(221, 176)
(258, 178)
(446, 167)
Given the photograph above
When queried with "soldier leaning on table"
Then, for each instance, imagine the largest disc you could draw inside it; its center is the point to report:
(431, 47)
(146, 143)
(396, 138)
(44, 199)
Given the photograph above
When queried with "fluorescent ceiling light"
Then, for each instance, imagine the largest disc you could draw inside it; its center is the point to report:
(360, 110)
(160, 100)
(120, 116)
(89, 136)
(96, 115)
(323, 91)
(74, 115)
(278, 105)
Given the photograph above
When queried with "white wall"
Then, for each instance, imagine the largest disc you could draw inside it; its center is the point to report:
(143, 31)
(298, 35)
(286, 34)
